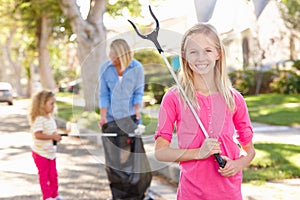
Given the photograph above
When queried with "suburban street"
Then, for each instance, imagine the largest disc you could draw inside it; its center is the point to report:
(81, 172)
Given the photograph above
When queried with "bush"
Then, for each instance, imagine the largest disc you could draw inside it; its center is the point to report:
(246, 81)
(243, 81)
(271, 81)
(297, 64)
(157, 90)
(287, 82)
(148, 57)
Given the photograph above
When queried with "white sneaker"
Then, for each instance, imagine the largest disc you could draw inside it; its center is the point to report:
(51, 198)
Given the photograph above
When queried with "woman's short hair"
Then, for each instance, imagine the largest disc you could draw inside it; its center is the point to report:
(121, 48)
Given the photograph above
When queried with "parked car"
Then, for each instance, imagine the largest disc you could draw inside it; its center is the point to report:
(6, 93)
(74, 86)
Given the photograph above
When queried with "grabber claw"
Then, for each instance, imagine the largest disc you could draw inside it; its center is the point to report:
(151, 36)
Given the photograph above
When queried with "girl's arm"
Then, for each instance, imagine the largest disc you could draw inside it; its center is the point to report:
(244, 130)
(234, 166)
(244, 161)
(163, 151)
(41, 136)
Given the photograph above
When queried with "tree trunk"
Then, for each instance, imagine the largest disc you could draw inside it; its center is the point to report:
(91, 36)
(43, 35)
(292, 46)
(91, 59)
(15, 67)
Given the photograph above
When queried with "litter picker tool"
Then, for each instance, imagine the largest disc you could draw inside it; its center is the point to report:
(89, 134)
(153, 37)
(75, 133)
(86, 135)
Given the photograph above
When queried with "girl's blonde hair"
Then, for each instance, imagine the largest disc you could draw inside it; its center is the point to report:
(222, 80)
(38, 103)
(123, 52)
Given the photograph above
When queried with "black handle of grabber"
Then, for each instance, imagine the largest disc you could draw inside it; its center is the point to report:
(151, 36)
(55, 142)
(220, 160)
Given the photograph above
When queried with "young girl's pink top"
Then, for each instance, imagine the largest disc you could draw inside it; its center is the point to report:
(200, 179)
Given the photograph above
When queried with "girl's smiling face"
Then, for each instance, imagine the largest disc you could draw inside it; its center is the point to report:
(201, 54)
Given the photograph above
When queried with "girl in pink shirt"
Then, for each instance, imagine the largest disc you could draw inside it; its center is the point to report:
(222, 111)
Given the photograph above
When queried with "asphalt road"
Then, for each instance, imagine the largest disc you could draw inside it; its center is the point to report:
(81, 172)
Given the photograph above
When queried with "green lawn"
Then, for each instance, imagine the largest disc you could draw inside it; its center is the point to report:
(272, 161)
(275, 109)
(72, 113)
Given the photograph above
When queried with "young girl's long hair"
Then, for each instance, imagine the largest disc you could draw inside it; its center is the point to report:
(222, 80)
(38, 102)
(123, 51)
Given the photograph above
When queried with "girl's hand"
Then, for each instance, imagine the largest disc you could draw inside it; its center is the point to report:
(56, 137)
(209, 147)
(231, 168)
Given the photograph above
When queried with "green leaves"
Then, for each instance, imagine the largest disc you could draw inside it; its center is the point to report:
(290, 10)
(118, 7)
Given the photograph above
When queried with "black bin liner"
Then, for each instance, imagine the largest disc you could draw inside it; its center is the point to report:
(126, 164)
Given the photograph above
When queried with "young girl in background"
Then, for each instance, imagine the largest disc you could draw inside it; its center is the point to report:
(44, 132)
(221, 109)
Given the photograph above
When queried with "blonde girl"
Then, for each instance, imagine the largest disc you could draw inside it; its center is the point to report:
(44, 132)
(222, 111)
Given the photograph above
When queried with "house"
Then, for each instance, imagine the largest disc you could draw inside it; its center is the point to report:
(253, 31)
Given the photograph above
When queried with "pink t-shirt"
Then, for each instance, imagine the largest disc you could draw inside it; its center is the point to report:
(200, 179)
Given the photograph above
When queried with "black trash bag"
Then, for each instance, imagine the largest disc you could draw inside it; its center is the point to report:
(126, 164)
